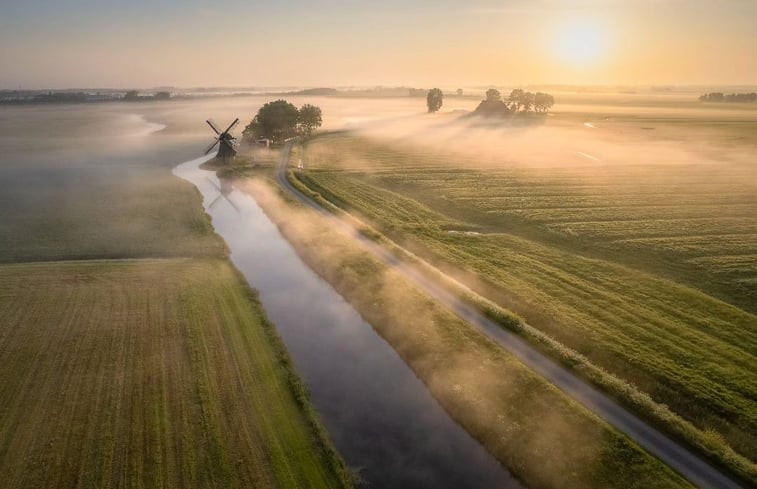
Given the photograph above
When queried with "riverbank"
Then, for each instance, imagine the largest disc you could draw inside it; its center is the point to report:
(380, 416)
(632, 332)
(133, 353)
(515, 414)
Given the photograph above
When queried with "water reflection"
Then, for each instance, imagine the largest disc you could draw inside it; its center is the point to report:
(380, 416)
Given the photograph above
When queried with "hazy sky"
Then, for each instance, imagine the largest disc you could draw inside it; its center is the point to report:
(141, 43)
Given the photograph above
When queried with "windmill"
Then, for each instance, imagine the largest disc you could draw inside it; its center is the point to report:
(224, 140)
(223, 193)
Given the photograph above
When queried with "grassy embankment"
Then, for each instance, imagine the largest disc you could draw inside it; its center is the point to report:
(518, 416)
(653, 335)
(141, 372)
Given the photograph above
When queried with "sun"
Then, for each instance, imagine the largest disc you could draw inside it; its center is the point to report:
(580, 42)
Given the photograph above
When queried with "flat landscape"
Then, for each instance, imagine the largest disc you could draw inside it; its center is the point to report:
(649, 270)
(133, 353)
(378, 245)
(517, 415)
(146, 373)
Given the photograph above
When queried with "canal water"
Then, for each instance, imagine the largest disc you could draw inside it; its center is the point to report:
(379, 415)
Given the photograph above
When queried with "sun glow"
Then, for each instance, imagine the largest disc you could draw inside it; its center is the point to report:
(580, 42)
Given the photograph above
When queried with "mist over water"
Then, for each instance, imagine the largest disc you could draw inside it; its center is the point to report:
(70, 160)
(58, 161)
(380, 416)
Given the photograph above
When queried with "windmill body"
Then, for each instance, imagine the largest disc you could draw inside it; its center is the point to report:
(224, 140)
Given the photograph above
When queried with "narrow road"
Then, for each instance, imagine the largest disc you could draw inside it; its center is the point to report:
(681, 459)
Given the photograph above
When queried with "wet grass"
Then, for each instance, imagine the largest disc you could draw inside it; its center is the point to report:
(148, 373)
(133, 353)
(683, 333)
(150, 214)
(518, 416)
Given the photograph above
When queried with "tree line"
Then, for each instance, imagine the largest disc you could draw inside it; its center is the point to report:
(519, 100)
(731, 97)
(134, 96)
(280, 120)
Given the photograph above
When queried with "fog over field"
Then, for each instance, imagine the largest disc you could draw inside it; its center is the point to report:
(586, 135)
(501, 244)
(609, 219)
(627, 233)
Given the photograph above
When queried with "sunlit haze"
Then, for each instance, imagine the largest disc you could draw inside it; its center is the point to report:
(83, 43)
(385, 244)
(581, 42)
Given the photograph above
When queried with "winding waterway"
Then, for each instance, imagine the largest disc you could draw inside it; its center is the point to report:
(379, 415)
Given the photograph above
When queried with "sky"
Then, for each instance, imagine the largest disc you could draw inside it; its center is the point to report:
(234, 43)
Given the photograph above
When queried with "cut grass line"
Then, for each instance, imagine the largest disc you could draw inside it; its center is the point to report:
(147, 373)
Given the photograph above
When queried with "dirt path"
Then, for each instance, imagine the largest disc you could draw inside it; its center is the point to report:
(687, 463)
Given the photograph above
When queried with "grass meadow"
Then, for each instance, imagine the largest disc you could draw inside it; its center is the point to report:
(148, 373)
(518, 416)
(147, 214)
(134, 354)
(650, 273)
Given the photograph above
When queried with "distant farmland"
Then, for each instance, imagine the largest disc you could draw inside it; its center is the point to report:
(650, 274)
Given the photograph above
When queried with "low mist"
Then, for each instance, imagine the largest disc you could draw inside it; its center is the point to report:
(594, 137)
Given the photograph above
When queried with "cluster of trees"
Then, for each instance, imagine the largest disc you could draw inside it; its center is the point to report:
(519, 101)
(281, 120)
(732, 97)
(494, 105)
(53, 97)
(134, 96)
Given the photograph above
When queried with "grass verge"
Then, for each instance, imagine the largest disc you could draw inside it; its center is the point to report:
(519, 417)
(149, 373)
(675, 355)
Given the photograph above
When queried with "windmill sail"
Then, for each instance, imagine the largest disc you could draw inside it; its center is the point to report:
(224, 140)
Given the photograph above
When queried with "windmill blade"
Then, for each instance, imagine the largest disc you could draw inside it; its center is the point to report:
(227, 199)
(210, 148)
(232, 125)
(215, 201)
(213, 126)
(214, 184)
(221, 194)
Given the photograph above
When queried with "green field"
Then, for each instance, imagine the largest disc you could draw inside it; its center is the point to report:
(134, 354)
(147, 214)
(517, 415)
(147, 373)
(649, 272)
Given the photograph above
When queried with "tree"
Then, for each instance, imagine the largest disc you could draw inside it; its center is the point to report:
(434, 100)
(543, 102)
(276, 121)
(539, 101)
(527, 101)
(459, 92)
(309, 119)
(493, 95)
(516, 98)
